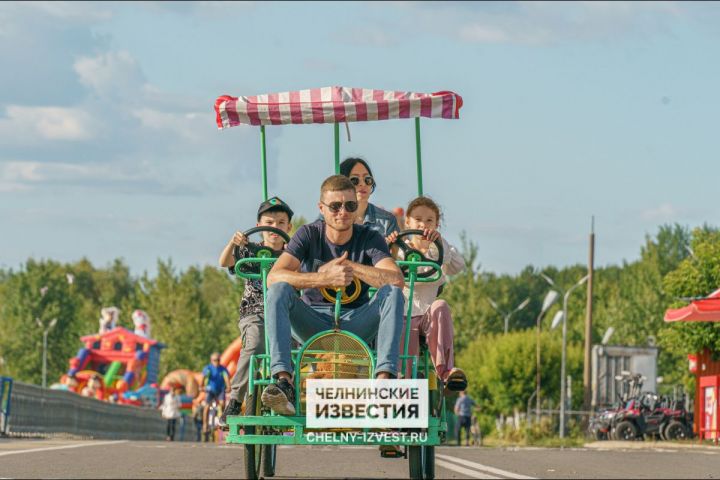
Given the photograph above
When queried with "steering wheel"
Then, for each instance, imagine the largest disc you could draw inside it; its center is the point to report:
(257, 250)
(414, 255)
(328, 293)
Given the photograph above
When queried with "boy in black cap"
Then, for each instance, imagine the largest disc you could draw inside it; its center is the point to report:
(272, 213)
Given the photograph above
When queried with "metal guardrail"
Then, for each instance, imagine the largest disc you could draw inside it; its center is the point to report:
(36, 410)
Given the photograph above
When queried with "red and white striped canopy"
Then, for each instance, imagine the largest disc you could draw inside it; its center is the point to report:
(334, 104)
(702, 310)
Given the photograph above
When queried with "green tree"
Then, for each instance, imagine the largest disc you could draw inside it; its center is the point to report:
(696, 276)
(193, 313)
(104, 287)
(501, 370)
(39, 292)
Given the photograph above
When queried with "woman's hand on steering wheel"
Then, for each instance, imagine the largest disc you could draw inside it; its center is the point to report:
(412, 254)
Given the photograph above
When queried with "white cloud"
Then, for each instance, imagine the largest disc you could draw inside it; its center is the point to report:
(541, 23)
(202, 8)
(190, 126)
(137, 138)
(24, 125)
(662, 212)
(128, 176)
(368, 35)
(75, 12)
(28, 173)
(111, 74)
(72, 11)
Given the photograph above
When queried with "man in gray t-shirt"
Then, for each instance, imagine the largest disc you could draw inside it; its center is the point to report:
(463, 409)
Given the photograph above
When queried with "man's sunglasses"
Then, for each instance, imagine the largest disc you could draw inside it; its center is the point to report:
(350, 206)
(369, 181)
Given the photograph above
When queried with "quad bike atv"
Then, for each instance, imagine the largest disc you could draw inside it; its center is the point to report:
(600, 424)
(648, 416)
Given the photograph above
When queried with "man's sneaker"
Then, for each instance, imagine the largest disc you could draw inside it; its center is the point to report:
(232, 408)
(280, 397)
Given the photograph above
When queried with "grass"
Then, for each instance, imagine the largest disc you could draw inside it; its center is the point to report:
(548, 442)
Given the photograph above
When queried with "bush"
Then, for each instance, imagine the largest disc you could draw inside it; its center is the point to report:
(501, 371)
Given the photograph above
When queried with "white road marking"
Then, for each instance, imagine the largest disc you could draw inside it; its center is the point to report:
(62, 447)
(480, 466)
(463, 470)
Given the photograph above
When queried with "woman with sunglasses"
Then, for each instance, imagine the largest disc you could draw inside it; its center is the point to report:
(359, 173)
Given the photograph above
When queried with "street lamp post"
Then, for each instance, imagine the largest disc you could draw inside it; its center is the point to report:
(563, 394)
(548, 302)
(44, 358)
(506, 316)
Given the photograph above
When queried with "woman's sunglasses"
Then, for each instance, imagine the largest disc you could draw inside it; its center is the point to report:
(369, 181)
(350, 206)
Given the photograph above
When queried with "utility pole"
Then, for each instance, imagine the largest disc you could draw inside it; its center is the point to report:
(587, 393)
(537, 370)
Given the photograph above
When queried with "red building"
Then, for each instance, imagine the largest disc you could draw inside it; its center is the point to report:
(705, 365)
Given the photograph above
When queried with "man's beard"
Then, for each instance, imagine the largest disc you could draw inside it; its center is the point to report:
(339, 227)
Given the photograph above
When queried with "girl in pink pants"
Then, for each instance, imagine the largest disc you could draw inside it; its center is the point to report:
(431, 317)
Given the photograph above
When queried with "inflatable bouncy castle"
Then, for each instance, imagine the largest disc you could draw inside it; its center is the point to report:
(120, 365)
(125, 363)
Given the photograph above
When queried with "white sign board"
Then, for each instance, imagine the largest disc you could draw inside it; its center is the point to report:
(361, 403)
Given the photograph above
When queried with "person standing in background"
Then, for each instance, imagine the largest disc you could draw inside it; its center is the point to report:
(463, 409)
(170, 409)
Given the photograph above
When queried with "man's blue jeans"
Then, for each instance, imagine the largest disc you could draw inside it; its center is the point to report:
(287, 314)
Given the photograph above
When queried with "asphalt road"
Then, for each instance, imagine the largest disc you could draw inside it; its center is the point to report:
(130, 459)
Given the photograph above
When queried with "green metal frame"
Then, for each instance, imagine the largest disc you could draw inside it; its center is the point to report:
(295, 425)
(263, 156)
(418, 155)
(291, 430)
(412, 278)
(336, 132)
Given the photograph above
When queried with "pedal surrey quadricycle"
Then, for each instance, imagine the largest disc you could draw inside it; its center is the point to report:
(335, 354)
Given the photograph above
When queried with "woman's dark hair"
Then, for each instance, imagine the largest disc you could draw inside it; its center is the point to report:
(349, 163)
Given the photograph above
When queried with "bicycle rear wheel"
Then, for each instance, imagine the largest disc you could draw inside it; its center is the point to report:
(268, 460)
(415, 461)
(429, 462)
(253, 453)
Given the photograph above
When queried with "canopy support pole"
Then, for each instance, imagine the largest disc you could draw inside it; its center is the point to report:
(418, 153)
(263, 156)
(336, 127)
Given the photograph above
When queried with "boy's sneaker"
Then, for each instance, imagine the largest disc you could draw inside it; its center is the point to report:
(231, 409)
(280, 397)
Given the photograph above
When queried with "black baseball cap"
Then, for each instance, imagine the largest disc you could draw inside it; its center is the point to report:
(274, 204)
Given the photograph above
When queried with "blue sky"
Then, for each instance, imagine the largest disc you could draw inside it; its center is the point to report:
(108, 143)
